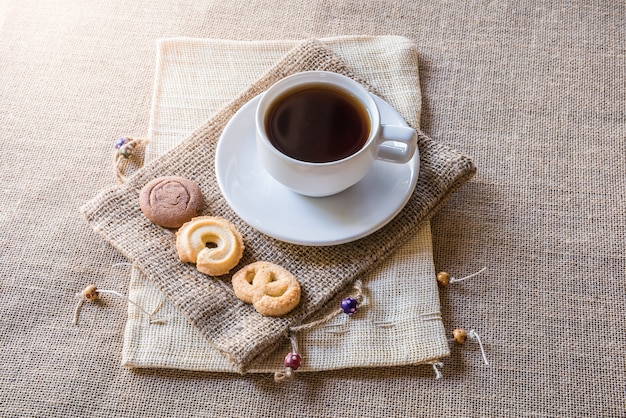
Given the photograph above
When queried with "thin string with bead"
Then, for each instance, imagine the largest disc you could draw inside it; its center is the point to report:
(444, 278)
(460, 336)
(349, 306)
(293, 360)
(92, 294)
(129, 156)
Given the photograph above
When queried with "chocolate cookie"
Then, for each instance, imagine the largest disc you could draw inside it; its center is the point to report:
(170, 201)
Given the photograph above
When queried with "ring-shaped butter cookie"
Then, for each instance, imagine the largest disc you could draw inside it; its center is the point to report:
(214, 244)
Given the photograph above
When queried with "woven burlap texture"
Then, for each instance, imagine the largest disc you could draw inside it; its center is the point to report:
(232, 327)
(393, 328)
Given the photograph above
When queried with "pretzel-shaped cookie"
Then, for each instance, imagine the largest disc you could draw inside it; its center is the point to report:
(271, 289)
(213, 243)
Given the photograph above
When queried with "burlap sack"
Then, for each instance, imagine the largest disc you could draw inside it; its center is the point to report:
(398, 325)
(233, 328)
(393, 328)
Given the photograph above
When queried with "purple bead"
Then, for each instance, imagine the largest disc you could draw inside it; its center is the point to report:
(293, 360)
(120, 142)
(349, 305)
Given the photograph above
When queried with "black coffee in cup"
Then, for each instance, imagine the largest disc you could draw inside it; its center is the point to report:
(317, 123)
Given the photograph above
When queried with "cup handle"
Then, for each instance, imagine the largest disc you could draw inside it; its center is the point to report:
(396, 144)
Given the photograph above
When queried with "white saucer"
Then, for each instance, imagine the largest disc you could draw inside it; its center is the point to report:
(274, 210)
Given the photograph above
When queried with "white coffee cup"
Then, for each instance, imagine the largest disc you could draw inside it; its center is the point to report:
(395, 144)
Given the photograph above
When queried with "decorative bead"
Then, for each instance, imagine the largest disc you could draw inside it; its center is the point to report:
(91, 293)
(120, 142)
(293, 361)
(349, 305)
(443, 278)
(460, 335)
(126, 150)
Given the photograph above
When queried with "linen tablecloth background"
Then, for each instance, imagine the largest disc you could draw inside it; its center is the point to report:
(533, 91)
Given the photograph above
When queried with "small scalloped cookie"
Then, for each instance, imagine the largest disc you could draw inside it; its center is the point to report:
(271, 289)
(214, 244)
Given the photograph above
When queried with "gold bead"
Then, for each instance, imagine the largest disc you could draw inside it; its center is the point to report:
(91, 292)
(460, 335)
(443, 278)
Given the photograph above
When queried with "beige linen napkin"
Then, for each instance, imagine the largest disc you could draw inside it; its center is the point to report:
(230, 326)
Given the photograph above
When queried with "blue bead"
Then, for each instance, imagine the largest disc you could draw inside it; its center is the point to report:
(120, 142)
(349, 305)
